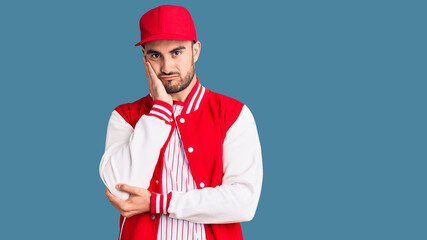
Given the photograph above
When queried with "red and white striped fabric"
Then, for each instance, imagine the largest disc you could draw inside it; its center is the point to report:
(160, 110)
(176, 176)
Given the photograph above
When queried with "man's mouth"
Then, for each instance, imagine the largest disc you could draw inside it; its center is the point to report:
(168, 77)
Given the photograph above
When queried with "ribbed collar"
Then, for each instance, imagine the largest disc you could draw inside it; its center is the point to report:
(194, 98)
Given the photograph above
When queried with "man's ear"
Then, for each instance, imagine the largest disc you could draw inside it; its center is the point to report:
(197, 46)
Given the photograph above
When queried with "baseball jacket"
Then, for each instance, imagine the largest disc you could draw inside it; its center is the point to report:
(221, 144)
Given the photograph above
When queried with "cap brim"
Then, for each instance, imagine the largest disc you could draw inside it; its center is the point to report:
(165, 36)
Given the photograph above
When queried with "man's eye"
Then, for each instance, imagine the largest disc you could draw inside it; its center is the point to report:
(155, 55)
(176, 53)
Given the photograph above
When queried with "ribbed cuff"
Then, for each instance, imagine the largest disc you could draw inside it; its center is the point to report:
(160, 203)
(161, 110)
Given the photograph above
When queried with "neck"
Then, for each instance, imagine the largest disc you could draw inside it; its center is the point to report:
(183, 95)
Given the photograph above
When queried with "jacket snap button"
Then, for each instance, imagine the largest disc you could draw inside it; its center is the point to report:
(153, 217)
(182, 120)
(157, 181)
(190, 149)
(202, 185)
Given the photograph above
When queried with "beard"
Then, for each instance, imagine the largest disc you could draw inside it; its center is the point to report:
(182, 83)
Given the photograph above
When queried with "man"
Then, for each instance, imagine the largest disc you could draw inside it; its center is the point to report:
(182, 162)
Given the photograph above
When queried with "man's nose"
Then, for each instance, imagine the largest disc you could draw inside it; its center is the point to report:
(167, 65)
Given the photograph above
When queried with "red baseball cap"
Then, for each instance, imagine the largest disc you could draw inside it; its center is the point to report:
(167, 22)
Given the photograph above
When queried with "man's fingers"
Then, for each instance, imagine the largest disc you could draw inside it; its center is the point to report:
(129, 189)
(151, 72)
(138, 201)
(155, 85)
(151, 75)
(118, 203)
(113, 198)
(148, 68)
(115, 201)
(147, 72)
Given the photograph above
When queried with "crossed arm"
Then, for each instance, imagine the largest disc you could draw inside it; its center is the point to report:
(138, 201)
(126, 159)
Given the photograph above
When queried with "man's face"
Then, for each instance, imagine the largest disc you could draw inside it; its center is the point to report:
(173, 62)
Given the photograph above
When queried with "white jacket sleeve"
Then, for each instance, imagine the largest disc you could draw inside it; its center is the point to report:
(237, 198)
(131, 154)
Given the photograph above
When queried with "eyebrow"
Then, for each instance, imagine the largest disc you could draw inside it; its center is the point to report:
(176, 49)
(173, 50)
(152, 51)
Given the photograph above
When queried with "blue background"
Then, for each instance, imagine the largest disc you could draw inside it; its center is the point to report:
(338, 90)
